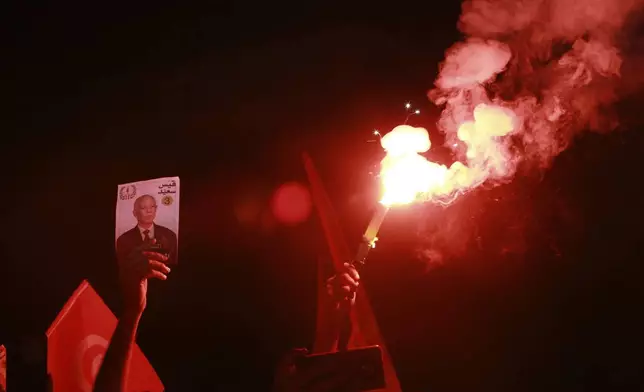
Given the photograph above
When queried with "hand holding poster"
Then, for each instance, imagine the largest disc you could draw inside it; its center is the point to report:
(147, 217)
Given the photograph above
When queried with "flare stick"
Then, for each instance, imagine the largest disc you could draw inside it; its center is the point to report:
(370, 236)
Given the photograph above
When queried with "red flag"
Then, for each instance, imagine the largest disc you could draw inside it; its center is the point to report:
(3, 368)
(78, 339)
(365, 329)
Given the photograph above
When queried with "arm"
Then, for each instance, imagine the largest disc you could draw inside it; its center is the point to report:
(112, 375)
(135, 272)
(334, 307)
(341, 290)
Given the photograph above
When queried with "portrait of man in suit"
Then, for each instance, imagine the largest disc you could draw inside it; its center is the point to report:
(146, 233)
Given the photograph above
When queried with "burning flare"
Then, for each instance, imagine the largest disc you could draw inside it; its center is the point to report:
(406, 176)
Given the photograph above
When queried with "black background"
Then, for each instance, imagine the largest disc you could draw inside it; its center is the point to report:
(545, 293)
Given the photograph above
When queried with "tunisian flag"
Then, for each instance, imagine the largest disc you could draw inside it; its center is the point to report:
(365, 328)
(77, 341)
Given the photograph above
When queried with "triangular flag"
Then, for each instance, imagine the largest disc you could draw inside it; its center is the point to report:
(77, 341)
(365, 329)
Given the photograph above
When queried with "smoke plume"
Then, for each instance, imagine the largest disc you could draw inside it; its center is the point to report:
(556, 64)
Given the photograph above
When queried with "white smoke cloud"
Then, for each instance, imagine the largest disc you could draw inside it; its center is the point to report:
(558, 61)
(557, 64)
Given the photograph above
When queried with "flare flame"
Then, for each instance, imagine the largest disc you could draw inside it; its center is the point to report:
(407, 176)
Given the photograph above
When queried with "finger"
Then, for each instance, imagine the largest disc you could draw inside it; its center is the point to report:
(346, 279)
(154, 274)
(158, 266)
(155, 256)
(353, 272)
(346, 289)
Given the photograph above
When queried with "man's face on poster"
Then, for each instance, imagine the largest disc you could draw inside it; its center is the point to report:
(145, 210)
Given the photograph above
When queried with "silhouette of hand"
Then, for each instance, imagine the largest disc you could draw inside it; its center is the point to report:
(342, 286)
(140, 266)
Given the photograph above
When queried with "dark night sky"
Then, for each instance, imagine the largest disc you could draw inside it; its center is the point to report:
(227, 97)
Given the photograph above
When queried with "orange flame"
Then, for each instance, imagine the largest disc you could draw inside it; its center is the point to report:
(406, 176)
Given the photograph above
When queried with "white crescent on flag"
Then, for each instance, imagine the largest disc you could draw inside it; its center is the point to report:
(89, 358)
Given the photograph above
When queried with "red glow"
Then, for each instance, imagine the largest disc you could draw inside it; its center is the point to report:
(291, 203)
(248, 210)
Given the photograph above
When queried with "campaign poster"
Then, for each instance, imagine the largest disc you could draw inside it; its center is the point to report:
(147, 218)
